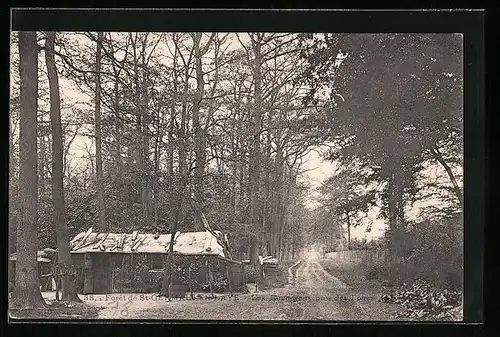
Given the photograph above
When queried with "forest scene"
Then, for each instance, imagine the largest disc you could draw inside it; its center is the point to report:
(338, 157)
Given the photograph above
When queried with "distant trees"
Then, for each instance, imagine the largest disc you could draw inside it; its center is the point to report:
(348, 198)
(147, 109)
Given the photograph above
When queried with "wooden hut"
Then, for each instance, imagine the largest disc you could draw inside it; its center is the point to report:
(134, 262)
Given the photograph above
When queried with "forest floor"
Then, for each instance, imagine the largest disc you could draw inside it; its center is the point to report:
(57, 311)
(311, 294)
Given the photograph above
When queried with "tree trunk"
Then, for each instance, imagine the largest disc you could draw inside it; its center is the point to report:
(41, 165)
(278, 192)
(183, 148)
(167, 276)
(254, 166)
(199, 149)
(140, 132)
(348, 231)
(171, 124)
(27, 293)
(269, 228)
(170, 147)
(281, 247)
(98, 137)
(395, 211)
(234, 184)
(118, 129)
(156, 190)
(63, 259)
(13, 194)
(458, 192)
(146, 119)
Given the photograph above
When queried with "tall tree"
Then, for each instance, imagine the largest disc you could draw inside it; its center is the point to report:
(199, 137)
(27, 293)
(255, 150)
(63, 251)
(98, 136)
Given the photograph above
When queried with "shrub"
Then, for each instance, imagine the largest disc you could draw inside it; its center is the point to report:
(375, 271)
(424, 301)
(249, 273)
(433, 252)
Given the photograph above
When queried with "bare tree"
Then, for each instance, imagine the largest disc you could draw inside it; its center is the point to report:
(65, 267)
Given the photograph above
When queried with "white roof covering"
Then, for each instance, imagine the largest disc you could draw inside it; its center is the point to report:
(188, 243)
(41, 257)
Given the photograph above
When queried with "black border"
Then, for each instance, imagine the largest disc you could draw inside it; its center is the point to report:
(241, 20)
(470, 23)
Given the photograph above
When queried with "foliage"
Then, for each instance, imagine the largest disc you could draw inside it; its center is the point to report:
(363, 243)
(353, 275)
(432, 251)
(392, 104)
(436, 247)
(424, 301)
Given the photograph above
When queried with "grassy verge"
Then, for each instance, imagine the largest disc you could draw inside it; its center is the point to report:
(354, 275)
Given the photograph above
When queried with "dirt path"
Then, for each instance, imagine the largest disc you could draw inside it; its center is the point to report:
(313, 294)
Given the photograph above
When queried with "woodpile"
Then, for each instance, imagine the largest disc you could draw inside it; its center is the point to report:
(270, 262)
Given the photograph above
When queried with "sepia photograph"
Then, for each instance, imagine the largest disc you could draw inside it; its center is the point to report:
(236, 176)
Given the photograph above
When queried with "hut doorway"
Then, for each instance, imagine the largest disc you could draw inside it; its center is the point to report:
(102, 274)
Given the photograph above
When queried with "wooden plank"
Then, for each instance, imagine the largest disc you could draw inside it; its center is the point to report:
(134, 235)
(176, 236)
(88, 274)
(98, 244)
(229, 279)
(243, 278)
(229, 260)
(210, 275)
(84, 239)
(77, 237)
(138, 243)
(190, 282)
(85, 245)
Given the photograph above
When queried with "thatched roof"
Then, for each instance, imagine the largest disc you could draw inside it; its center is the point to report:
(189, 243)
